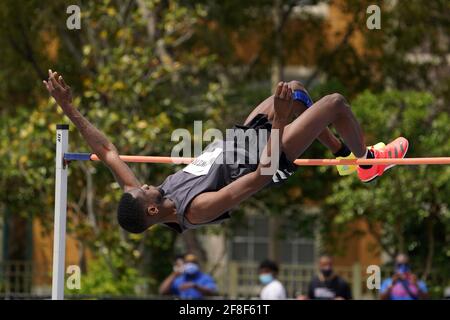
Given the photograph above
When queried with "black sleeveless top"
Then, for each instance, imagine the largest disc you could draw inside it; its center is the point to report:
(182, 187)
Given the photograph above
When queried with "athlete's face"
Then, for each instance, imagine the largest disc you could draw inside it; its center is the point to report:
(151, 193)
(151, 196)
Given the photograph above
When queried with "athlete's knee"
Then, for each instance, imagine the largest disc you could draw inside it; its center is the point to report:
(337, 101)
(337, 98)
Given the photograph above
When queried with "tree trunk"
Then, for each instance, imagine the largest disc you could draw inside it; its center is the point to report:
(277, 57)
(430, 240)
(193, 245)
(274, 242)
(277, 75)
(400, 236)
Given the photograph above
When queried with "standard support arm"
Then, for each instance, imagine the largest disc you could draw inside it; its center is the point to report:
(59, 236)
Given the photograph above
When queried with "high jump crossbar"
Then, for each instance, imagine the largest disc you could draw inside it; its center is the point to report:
(298, 162)
(63, 157)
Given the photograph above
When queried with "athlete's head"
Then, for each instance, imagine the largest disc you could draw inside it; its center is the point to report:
(139, 208)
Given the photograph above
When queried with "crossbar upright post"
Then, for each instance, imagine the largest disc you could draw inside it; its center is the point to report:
(59, 235)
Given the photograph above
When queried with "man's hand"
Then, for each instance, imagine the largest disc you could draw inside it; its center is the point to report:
(59, 90)
(396, 277)
(283, 102)
(188, 285)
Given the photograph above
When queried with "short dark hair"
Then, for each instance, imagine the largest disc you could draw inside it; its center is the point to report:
(179, 256)
(131, 214)
(269, 264)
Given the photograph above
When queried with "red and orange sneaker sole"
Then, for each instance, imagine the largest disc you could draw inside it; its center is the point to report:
(396, 149)
(403, 150)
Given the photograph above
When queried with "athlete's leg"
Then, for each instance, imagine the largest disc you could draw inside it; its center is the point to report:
(330, 110)
(326, 137)
(334, 110)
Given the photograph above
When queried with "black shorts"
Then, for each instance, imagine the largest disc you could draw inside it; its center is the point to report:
(285, 167)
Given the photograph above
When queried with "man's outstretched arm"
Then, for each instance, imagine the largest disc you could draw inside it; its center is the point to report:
(96, 140)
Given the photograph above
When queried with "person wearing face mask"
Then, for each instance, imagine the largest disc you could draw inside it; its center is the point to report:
(272, 288)
(327, 285)
(188, 282)
(403, 285)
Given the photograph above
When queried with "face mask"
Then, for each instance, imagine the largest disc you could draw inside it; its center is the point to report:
(265, 278)
(191, 268)
(402, 268)
(326, 272)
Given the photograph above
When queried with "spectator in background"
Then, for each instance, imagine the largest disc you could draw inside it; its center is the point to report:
(327, 285)
(273, 289)
(447, 293)
(403, 285)
(188, 282)
(178, 263)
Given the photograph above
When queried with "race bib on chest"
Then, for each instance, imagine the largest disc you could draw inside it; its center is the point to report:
(203, 163)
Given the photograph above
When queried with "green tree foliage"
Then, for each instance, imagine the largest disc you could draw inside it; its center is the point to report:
(104, 279)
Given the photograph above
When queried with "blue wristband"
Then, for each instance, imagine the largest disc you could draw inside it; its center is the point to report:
(302, 96)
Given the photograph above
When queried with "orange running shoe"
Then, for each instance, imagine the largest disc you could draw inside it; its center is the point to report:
(396, 149)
